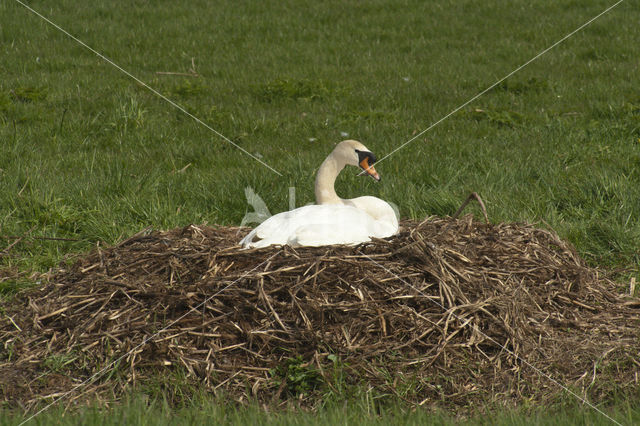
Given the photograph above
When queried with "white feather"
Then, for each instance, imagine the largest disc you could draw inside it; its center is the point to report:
(320, 225)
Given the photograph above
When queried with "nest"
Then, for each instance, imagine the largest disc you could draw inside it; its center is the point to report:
(449, 312)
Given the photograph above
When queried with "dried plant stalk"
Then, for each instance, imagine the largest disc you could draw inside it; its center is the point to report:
(461, 308)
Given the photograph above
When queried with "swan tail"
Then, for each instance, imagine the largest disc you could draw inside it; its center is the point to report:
(247, 242)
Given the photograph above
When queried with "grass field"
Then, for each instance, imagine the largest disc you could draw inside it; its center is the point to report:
(139, 412)
(88, 155)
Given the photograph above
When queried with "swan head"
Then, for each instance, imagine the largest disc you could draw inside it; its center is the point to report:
(354, 153)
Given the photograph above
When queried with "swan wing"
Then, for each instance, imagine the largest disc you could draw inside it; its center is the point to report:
(317, 225)
(382, 212)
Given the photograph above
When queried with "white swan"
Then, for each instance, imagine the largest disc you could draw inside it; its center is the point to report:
(332, 220)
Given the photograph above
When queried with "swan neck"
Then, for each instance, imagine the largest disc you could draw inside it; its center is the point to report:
(325, 181)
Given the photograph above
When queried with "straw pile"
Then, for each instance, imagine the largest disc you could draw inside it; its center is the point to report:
(449, 312)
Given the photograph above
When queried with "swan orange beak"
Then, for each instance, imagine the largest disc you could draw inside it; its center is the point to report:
(368, 169)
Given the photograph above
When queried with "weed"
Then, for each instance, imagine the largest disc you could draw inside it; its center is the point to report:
(296, 377)
(10, 287)
(130, 115)
(56, 363)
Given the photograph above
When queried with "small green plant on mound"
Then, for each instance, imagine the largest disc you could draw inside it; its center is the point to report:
(296, 377)
(57, 363)
(11, 285)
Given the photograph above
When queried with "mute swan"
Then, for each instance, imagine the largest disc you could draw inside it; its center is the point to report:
(332, 220)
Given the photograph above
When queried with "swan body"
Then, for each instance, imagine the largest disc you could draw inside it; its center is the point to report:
(319, 225)
(332, 220)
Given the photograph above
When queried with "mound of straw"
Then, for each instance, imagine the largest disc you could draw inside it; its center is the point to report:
(449, 312)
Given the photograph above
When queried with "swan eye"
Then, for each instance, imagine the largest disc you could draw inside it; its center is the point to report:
(365, 161)
(369, 156)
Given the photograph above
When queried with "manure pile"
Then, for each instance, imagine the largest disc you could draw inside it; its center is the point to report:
(449, 312)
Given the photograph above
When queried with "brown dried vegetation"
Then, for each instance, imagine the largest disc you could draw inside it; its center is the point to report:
(449, 312)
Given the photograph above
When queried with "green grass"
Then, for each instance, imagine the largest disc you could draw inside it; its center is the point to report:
(139, 411)
(87, 154)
